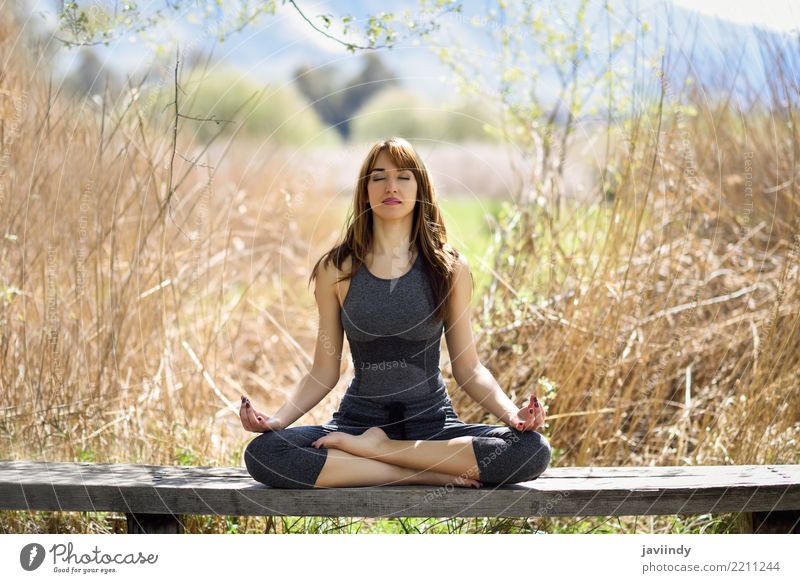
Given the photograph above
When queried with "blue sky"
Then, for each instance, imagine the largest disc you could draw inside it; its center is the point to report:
(271, 50)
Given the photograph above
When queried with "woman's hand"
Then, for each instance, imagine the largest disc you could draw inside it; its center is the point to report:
(253, 420)
(528, 418)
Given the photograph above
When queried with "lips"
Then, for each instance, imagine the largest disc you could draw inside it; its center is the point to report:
(391, 200)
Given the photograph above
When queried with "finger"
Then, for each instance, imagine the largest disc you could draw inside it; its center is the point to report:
(254, 418)
(251, 415)
(530, 423)
(260, 419)
(243, 416)
(530, 410)
(540, 416)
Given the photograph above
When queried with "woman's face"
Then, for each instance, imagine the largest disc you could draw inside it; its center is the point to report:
(386, 184)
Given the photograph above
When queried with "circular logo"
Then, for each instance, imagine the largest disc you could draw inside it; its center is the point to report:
(31, 556)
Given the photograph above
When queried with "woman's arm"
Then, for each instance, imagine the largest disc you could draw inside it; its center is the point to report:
(482, 387)
(474, 378)
(306, 395)
(325, 371)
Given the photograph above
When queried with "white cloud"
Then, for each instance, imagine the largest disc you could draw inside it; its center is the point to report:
(783, 15)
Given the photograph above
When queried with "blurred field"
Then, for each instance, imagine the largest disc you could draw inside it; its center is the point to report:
(469, 227)
(146, 285)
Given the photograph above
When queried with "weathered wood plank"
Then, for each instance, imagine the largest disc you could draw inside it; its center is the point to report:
(597, 491)
(129, 474)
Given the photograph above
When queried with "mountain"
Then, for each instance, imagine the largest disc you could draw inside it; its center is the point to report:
(279, 47)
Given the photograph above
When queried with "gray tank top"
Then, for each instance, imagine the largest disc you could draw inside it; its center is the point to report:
(395, 345)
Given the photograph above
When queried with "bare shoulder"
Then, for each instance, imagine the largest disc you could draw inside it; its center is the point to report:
(462, 263)
(329, 276)
(461, 268)
(346, 265)
(462, 286)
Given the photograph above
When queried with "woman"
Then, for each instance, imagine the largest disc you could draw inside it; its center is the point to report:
(393, 286)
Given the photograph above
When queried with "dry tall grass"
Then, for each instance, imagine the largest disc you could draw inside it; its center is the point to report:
(667, 327)
(145, 289)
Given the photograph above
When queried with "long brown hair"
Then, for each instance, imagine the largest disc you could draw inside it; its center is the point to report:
(428, 230)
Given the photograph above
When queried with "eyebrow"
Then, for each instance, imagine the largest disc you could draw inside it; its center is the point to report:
(384, 170)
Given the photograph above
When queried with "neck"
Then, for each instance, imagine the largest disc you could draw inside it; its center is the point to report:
(392, 238)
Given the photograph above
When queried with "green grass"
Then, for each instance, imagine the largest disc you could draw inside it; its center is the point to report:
(112, 522)
(467, 230)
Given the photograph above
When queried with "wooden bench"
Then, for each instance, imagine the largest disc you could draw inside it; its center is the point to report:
(154, 497)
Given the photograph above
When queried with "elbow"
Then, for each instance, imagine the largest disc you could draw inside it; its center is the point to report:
(325, 378)
(465, 375)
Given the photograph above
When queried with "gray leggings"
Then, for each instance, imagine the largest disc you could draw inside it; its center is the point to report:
(286, 458)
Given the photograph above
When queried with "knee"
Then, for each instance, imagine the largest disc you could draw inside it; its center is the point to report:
(259, 455)
(534, 452)
(527, 455)
(282, 460)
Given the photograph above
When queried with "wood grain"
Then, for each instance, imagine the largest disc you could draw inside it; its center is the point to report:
(230, 491)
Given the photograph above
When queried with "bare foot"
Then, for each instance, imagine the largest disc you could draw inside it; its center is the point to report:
(365, 445)
(440, 479)
(368, 444)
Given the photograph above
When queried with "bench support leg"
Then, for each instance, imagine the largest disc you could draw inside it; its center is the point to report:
(154, 524)
(776, 522)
